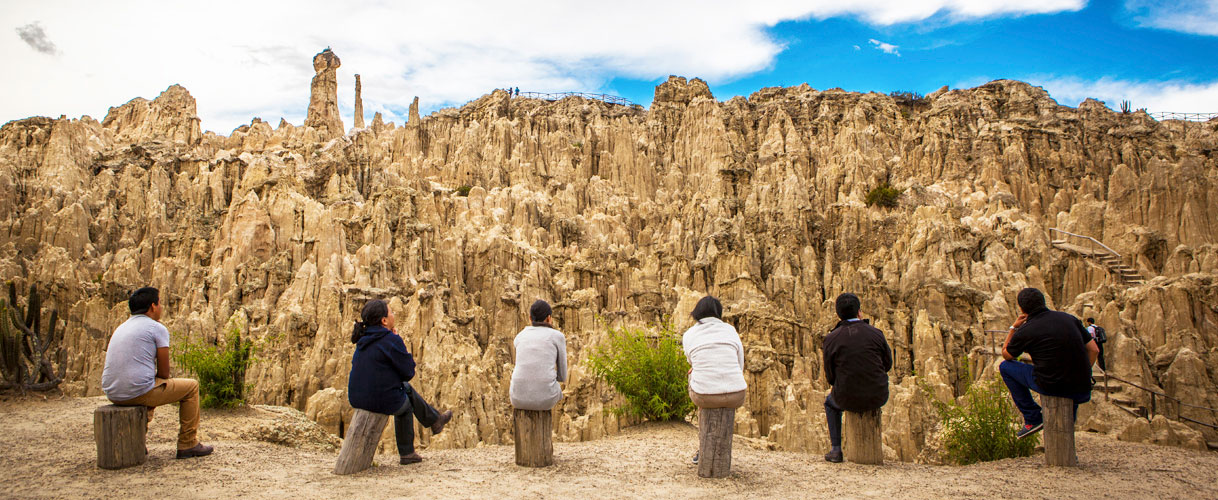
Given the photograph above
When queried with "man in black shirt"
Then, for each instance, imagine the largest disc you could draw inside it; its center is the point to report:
(857, 360)
(1062, 354)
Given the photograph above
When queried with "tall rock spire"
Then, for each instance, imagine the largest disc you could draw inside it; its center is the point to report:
(323, 98)
(359, 105)
(414, 112)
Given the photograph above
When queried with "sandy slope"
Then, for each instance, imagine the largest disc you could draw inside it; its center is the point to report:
(47, 450)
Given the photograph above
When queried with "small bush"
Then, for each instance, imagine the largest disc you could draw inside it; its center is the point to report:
(220, 370)
(883, 195)
(463, 190)
(903, 96)
(647, 367)
(983, 428)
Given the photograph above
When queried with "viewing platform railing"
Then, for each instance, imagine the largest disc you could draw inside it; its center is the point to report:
(1192, 117)
(554, 96)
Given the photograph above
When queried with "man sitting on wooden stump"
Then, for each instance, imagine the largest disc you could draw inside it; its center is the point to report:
(856, 362)
(1062, 354)
(137, 370)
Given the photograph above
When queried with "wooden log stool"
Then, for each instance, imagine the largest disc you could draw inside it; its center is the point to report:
(119, 432)
(532, 432)
(863, 441)
(359, 445)
(715, 427)
(1059, 431)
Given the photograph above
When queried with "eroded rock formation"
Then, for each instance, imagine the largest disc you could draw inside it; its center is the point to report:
(628, 216)
(359, 105)
(323, 95)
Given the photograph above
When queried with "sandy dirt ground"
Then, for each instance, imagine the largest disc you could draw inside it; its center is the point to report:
(47, 451)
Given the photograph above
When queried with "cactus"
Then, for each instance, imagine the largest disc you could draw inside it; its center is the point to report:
(24, 345)
(1126, 106)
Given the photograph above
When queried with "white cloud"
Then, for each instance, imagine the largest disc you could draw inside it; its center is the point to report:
(1175, 96)
(246, 59)
(887, 48)
(1199, 17)
(36, 37)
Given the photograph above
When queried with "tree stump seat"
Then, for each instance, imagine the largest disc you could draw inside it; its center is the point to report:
(1059, 431)
(359, 445)
(715, 427)
(119, 432)
(532, 431)
(863, 441)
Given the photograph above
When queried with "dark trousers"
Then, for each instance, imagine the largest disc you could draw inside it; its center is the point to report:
(833, 414)
(1100, 360)
(1020, 382)
(403, 426)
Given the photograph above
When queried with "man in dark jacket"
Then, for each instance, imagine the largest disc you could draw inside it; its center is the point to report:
(1062, 354)
(857, 360)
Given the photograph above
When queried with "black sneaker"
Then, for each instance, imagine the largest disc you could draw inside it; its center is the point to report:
(1029, 430)
(199, 450)
(439, 425)
(834, 456)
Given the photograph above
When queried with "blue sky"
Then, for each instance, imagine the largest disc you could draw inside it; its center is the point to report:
(1061, 51)
(244, 59)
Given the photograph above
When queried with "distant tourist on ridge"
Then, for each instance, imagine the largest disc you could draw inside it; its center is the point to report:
(1062, 354)
(856, 363)
(379, 382)
(1100, 336)
(716, 359)
(541, 362)
(137, 370)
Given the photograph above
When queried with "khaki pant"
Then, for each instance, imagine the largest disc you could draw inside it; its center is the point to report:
(729, 400)
(173, 390)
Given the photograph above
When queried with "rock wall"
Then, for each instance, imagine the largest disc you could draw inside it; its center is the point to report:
(626, 215)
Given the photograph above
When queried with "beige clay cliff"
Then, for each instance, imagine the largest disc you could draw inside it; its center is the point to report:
(628, 215)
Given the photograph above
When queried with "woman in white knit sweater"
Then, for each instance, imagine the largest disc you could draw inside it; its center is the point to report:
(716, 358)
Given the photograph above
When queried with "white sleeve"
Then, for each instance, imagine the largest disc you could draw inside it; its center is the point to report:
(740, 355)
(160, 336)
(561, 365)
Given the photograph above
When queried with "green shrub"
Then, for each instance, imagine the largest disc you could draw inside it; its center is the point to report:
(220, 370)
(983, 428)
(883, 195)
(463, 190)
(904, 96)
(647, 367)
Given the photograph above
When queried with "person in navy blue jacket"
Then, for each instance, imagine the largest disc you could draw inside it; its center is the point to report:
(381, 370)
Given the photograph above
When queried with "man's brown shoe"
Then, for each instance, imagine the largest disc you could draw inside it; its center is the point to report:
(198, 451)
(412, 458)
(439, 425)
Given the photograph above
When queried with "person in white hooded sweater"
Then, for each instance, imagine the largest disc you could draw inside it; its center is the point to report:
(716, 358)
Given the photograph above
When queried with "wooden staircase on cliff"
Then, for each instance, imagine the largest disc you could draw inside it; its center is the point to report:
(1091, 247)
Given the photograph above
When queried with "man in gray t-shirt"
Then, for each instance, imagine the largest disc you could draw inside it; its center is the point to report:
(137, 370)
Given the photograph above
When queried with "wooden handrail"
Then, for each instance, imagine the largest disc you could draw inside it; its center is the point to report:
(1097, 242)
(1154, 393)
